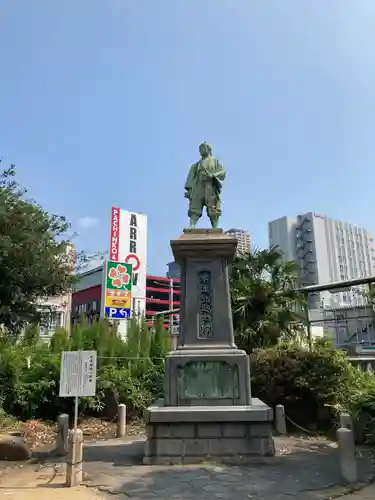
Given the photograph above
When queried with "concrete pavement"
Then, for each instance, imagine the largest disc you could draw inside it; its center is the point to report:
(303, 469)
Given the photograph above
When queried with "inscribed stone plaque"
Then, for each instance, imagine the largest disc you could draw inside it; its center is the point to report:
(205, 328)
(208, 380)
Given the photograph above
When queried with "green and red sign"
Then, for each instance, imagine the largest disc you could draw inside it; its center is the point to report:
(118, 290)
(119, 276)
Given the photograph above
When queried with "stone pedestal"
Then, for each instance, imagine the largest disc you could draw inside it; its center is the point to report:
(207, 410)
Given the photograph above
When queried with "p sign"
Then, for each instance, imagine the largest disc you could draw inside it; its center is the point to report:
(116, 313)
(112, 312)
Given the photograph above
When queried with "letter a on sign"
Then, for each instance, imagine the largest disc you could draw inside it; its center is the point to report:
(133, 220)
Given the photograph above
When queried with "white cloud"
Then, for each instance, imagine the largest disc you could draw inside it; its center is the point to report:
(87, 222)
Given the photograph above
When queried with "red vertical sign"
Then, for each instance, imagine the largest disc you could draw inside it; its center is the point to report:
(115, 234)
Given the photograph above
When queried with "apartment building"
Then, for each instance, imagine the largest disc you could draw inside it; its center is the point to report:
(327, 250)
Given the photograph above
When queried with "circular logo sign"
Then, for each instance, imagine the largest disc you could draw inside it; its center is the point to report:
(134, 260)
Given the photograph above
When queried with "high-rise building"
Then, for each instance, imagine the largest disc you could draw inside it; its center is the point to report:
(243, 239)
(174, 270)
(327, 251)
(243, 246)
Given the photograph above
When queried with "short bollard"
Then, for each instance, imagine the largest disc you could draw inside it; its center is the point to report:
(346, 421)
(74, 472)
(348, 463)
(280, 422)
(121, 421)
(62, 434)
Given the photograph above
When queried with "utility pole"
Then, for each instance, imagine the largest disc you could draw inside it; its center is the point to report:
(171, 305)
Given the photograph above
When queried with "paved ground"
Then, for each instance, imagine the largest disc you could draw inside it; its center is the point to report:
(365, 494)
(305, 469)
(30, 483)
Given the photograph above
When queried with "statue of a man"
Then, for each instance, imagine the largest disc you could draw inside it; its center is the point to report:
(203, 187)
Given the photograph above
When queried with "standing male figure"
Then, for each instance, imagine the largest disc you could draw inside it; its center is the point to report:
(203, 187)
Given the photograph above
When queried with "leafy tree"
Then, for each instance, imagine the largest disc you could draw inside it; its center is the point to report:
(34, 258)
(265, 305)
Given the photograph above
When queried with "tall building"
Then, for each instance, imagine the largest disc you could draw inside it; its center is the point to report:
(243, 246)
(243, 239)
(326, 250)
(282, 232)
(174, 270)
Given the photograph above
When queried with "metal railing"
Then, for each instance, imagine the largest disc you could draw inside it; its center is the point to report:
(348, 324)
(342, 311)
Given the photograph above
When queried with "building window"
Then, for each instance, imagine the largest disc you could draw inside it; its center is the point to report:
(50, 322)
(82, 308)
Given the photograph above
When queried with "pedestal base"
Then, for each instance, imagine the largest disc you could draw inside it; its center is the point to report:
(196, 434)
(207, 377)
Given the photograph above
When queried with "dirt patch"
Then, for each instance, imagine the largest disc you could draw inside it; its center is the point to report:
(37, 433)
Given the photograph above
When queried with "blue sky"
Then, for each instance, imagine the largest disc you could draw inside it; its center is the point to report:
(104, 102)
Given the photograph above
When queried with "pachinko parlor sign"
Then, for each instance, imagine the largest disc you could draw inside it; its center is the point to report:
(114, 244)
(128, 244)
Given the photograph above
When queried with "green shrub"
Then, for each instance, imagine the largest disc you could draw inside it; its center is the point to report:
(128, 372)
(59, 340)
(306, 382)
(360, 404)
(35, 392)
(314, 386)
(6, 420)
(31, 336)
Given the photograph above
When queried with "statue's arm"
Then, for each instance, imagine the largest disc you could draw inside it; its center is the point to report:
(220, 172)
(190, 179)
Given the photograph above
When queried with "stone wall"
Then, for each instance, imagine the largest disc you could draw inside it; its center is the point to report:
(185, 442)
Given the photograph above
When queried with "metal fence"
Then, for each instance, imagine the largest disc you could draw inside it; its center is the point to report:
(340, 311)
(343, 312)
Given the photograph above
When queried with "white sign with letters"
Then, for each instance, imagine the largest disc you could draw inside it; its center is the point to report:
(128, 244)
(78, 374)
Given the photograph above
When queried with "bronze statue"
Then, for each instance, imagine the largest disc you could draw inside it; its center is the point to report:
(203, 187)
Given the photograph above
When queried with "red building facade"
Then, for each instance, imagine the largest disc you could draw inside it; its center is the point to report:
(162, 294)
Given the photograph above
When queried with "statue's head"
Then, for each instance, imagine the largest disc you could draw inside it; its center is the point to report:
(205, 150)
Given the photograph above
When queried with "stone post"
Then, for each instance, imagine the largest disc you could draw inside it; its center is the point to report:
(347, 423)
(280, 423)
(74, 473)
(348, 464)
(62, 434)
(121, 421)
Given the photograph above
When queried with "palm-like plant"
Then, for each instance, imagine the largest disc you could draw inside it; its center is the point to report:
(265, 304)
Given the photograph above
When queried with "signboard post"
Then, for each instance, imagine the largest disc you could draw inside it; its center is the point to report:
(176, 325)
(117, 290)
(128, 243)
(77, 376)
(175, 331)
